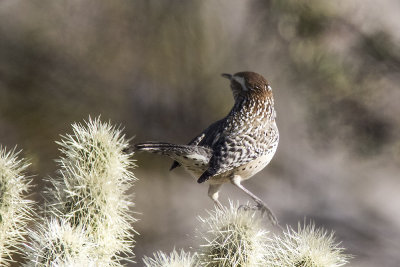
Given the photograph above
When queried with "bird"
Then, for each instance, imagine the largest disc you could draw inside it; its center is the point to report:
(234, 148)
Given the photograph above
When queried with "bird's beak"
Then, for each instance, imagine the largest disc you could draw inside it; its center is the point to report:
(226, 75)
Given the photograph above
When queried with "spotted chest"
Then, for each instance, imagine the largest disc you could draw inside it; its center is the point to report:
(245, 171)
(249, 169)
(244, 156)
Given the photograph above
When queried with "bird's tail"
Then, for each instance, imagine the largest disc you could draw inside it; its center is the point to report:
(176, 152)
(160, 147)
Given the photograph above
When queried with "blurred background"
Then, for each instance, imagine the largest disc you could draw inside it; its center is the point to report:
(154, 67)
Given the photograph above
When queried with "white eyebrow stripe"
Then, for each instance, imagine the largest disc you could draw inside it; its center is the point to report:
(241, 81)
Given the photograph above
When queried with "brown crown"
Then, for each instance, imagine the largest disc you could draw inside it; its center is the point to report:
(256, 85)
(252, 79)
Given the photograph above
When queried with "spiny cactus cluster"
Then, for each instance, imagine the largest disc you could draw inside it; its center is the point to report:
(15, 208)
(236, 237)
(88, 200)
(232, 237)
(308, 247)
(174, 259)
(87, 219)
(57, 243)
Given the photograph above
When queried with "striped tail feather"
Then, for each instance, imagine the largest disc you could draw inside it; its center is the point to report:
(160, 147)
(177, 152)
(155, 147)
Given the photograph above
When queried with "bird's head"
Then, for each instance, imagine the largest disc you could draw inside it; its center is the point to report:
(248, 84)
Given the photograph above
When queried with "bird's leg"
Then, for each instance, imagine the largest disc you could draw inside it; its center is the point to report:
(259, 203)
(213, 191)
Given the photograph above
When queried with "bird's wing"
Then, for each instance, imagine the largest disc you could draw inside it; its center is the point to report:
(206, 138)
(235, 149)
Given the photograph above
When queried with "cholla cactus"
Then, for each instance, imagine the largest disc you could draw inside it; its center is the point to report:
(15, 209)
(57, 243)
(232, 237)
(91, 192)
(308, 247)
(174, 259)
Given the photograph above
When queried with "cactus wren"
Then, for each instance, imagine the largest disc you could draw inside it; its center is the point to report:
(234, 148)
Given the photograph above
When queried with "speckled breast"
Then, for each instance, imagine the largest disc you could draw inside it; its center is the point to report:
(251, 168)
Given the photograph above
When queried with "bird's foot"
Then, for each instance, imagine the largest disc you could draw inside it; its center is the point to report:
(265, 210)
(247, 207)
